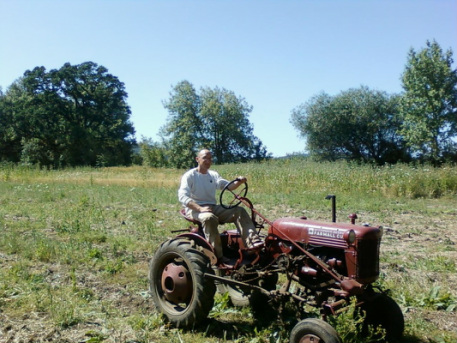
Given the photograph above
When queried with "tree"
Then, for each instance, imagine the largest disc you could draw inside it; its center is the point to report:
(15, 124)
(227, 131)
(76, 115)
(8, 150)
(215, 119)
(429, 105)
(183, 131)
(100, 130)
(358, 124)
(153, 154)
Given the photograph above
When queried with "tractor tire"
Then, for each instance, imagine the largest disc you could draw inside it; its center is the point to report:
(177, 283)
(313, 330)
(239, 298)
(384, 311)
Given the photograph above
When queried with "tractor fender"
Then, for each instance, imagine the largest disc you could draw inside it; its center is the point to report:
(202, 245)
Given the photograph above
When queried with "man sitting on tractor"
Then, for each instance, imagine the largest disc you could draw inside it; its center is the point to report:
(197, 194)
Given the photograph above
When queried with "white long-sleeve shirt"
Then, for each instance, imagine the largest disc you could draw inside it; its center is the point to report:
(201, 188)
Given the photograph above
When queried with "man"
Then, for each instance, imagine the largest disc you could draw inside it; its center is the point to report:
(198, 194)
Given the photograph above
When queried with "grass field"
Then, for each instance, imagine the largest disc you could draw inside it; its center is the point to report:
(75, 246)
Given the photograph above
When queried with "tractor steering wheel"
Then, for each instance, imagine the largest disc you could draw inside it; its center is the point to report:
(227, 200)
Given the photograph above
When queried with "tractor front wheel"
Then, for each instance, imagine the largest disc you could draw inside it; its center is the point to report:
(313, 330)
(177, 283)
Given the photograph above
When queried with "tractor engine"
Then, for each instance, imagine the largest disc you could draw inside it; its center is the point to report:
(350, 250)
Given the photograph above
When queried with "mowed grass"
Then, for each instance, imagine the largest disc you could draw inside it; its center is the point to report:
(75, 246)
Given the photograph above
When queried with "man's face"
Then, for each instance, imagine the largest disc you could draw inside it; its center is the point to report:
(204, 160)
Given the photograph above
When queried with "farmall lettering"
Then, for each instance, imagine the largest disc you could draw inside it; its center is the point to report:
(326, 232)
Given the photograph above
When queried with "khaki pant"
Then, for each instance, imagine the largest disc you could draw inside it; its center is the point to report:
(221, 215)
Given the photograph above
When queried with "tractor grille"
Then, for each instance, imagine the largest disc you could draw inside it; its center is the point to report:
(368, 260)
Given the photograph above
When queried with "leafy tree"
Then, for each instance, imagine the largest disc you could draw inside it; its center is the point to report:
(35, 118)
(226, 128)
(183, 131)
(7, 148)
(429, 105)
(76, 115)
(14, 125)
(358, 124)
(215, 119)
(100, 129)
(153, 154)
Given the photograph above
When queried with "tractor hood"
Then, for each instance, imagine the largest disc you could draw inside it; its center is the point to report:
(338, 235)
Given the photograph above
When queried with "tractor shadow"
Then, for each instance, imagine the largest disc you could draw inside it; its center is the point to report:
(233, 330)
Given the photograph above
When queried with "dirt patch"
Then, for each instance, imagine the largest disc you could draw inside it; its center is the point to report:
(424, 249)
(115, 302)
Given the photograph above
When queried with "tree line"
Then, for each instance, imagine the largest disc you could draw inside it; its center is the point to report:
(79, 115)
(372, 126)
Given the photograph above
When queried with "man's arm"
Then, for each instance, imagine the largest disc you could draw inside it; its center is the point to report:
(196, 207)
(239, 181)
(184, 190)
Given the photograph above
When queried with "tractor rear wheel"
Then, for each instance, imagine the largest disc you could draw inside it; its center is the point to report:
(177, 283)
(313, 330)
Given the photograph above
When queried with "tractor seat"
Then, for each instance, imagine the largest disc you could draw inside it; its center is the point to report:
(182, 212)
(199, 227)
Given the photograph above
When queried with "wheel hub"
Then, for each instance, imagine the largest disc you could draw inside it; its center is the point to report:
(310, 339)
(176, 284)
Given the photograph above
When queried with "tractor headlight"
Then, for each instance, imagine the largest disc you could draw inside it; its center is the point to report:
(350, 237)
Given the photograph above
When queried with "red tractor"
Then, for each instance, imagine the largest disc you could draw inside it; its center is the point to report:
(302, 263)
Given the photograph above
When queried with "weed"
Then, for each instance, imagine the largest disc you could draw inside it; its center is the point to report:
(113, 267)
(96, 254)
(146, 323)
(438, 300)
(95, 337)
(349, 326)
(434, 264)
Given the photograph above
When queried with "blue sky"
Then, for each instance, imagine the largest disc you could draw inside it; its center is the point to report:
(274, 54)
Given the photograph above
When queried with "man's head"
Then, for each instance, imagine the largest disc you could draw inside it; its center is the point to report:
(204, 160)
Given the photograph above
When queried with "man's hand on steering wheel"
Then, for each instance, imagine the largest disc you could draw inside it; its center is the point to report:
(237, 182)
(233, 200)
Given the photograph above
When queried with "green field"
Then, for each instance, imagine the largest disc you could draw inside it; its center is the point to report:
(75, 246)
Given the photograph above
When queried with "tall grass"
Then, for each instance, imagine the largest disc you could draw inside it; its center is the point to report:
(289, 176)
(301, 175)
(299, 185)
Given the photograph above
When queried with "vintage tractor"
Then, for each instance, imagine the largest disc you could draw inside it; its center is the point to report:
(302, 264)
